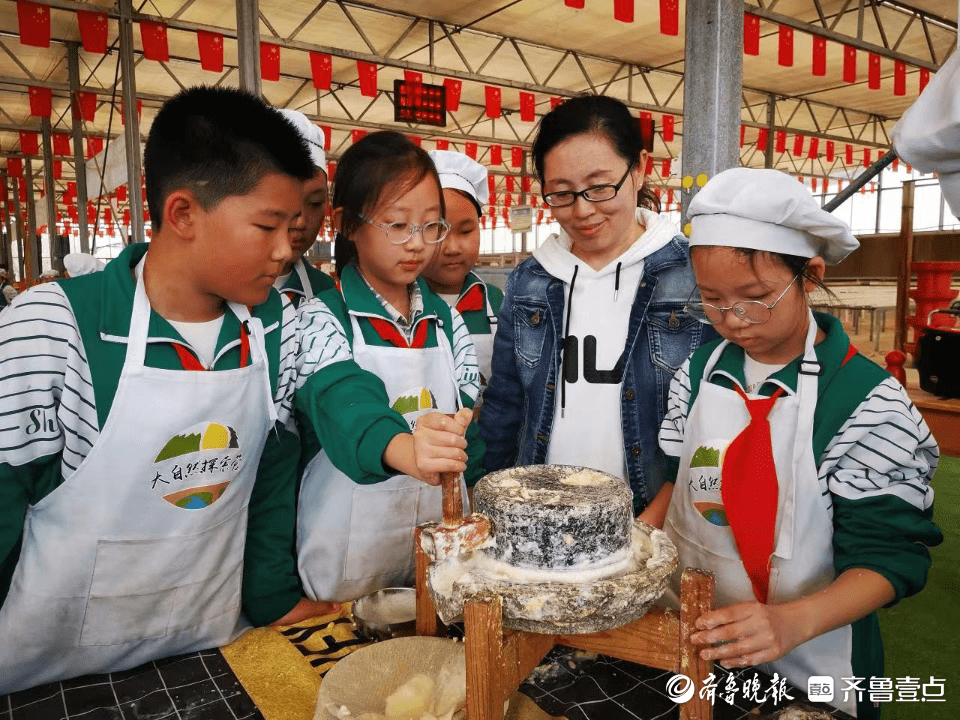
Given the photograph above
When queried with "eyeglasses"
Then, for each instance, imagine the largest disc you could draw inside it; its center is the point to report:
(594, 193)
(750, 311)
(399, 233)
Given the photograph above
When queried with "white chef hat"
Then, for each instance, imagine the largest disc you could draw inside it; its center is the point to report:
(928, 134)
(311, 133)
(459, 172)
(78, 264)
(3, 272)
(49, 274)
(767, 210)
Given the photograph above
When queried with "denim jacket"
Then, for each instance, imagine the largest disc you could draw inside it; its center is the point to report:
(519, 402)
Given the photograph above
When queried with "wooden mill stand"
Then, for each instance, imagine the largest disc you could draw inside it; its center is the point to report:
(498, 659)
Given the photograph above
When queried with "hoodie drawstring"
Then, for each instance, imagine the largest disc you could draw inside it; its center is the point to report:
(566, 337)
(616, 282)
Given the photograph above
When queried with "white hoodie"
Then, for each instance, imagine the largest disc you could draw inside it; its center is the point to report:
(587, 428)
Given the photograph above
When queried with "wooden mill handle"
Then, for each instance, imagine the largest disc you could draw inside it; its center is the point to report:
(452, 498)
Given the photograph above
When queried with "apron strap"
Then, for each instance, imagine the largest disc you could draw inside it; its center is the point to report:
(301, 271)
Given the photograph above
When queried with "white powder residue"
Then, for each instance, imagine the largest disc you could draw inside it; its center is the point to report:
(586, 477)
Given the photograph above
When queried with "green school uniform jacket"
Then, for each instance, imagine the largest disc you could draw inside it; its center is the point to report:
(477, 321)
(345, 409)
(62, 349)
(875, 457)
(293, 289)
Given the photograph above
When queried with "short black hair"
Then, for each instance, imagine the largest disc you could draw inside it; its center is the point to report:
(599, 114)
(218, 142)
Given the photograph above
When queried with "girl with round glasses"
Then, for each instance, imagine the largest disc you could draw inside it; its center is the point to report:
(593, 326)
(383, 362)
(802, 469)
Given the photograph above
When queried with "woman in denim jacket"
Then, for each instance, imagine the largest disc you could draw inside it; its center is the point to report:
(592, 327)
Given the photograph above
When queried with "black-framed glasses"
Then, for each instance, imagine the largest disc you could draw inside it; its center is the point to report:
(594, 193)
(749, 311)
(399, 233)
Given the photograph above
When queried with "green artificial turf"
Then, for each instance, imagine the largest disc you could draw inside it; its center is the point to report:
(921, 635)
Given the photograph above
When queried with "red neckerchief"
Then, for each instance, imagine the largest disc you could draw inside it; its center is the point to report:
(472, 299)
(191, 362)
(388, 332)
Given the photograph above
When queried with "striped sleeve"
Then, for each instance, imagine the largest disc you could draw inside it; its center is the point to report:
(678, 407)
(47, 402)
(465, 358)
(884, 449)
(287, 367)
(322, 340)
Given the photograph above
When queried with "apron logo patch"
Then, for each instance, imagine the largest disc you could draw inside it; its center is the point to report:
(415, 400)
(703, 480)
(193, 469)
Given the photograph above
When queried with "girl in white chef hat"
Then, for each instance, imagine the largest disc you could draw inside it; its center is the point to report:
(803, 470)
(450, 272)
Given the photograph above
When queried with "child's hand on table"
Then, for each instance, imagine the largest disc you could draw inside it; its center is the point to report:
(306, 609)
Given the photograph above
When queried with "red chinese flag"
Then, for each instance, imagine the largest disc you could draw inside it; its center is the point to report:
(554, 101)
(751, 34)
(34, 23)
(763, 136)
(61, 144)
(743, 134)
(496, 155)
(646, 124)
(819, 55)
(781, 141)
(516, 157)
(909, 170)
(93, 31)
(356, 135)
(443, 144)
(23, 196)
(327, 134)
(507, 201)
(415, 140)
(848, 155)
(849, 64)
(40, 101)
(126, 217)
(669, 17)
(121, 193)
(528, 105)
(94, 146)
(107, 216)
(866, 157)
(785, 56)
(895, 165)
(797, 145)
(470, 149)
(830, 150)
(814, 150)
(813, 184)
(666, 127)
(493, 97)
(269, 61)
(331, 171)
(154, 38)
(367, 72)
(899, 77)
(510, 183)
(453, 93)
(924, 78)
(492, 200)
(648, 170)
(29, 143)
(525, 183)
(210, 45)
(873, 71)
(412, 77)
(578, 4)
(123, 120)
(665, 168)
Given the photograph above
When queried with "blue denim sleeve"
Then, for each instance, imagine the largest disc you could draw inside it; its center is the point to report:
(503, 400)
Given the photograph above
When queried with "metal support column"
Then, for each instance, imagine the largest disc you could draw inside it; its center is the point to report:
(248, 44)
(904, 267)
(771, 129)
(33, 261)
(6, 257)
(18, 223)
(523, 201)
(76, 130)
(711, 90)
(49, 194)
(131, 128)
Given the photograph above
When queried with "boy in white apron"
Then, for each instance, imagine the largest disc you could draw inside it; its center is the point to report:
(381, 357)
(450, 273)
(137, 401)
(804, 470)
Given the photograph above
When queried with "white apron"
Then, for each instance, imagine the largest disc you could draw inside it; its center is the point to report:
(483, 342)
(139, 554)
(802, 561)
(353, 539)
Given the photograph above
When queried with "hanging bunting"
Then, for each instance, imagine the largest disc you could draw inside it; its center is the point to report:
(29, 143)
(646, 124)
(873, 71)
(470, 149)
(819, 55)
(849, 64)
(751, 34)
(41, 101)
(61, 144)
(210, 46)
(153, 36)
(510, 183)
(493, 97)
(924, 78)
(528, 107)
(665, 168)
(848, 155)
(763, 137)
(813, 152)
(743, 134)
(785, 53)
(123, 120)
(442, 144)
(666, 127)
(576, 4)
(269, 61)
(496, 154)
(331, 171)
(899, 77)
(554, 101)
(412, 77)
(415, 140)
(120, 192)
(781, 141)
(327, 135)
(85, 105)
(453, 93)
(525, 183)
(866, 157)
(895, 165)
(33, 21)
(507, 201)
(492, 200)
(367, 74)
(669, 16)
(623, 11)
(356, 135)
(797, 145)
(94, 146)
(813, 184)
(93, 31)
(57, 169)
(648, 169)
(830, 150)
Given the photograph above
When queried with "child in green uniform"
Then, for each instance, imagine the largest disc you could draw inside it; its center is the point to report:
(380, 357)
(140, 504)
(802, 469)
